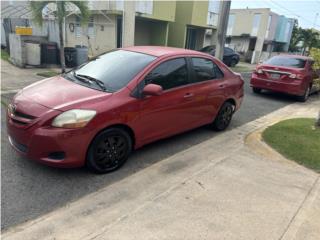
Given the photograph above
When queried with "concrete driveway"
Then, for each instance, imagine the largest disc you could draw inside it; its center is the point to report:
(30, 190)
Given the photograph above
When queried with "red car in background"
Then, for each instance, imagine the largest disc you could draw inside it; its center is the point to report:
(97, 113)
(291, 74)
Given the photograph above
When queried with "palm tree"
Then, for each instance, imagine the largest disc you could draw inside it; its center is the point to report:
(309, 38)
(61, 10)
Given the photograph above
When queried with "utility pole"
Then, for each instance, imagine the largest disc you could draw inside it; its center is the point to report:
(315, 20)
(128, 23)
(222, 27)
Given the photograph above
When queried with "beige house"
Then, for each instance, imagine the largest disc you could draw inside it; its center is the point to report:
(166, 23)
(257, 33)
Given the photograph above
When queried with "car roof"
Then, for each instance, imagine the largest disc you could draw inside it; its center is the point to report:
(295, 56)
(159, 51)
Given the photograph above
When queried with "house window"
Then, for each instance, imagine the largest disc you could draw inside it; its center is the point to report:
(78, 29)
(144, 6)
(256, 23)
(91, 27)
(213, 12)
(287, 30)
(230, 24)
(268, 26)
(265, 47)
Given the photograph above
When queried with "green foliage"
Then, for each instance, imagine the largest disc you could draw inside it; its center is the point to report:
(47, 74)
(295, 37)
(4, 55)
(315, 54)
(297, 139)
(308, 37)
(38, 6)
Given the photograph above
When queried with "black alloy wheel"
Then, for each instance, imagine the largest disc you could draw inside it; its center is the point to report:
(224, 117)
(109, 150)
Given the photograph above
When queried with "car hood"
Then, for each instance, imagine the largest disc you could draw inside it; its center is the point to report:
(59, 93)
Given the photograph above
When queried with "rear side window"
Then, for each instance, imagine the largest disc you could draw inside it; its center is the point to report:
(228, 50)
(170, 74)
(286, 62)
(205, 69)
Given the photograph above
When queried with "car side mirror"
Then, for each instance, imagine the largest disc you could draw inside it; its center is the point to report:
(152, 90)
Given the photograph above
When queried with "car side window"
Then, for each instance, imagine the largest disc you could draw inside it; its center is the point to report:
(170, 74)
(228, 51)
(205, 69)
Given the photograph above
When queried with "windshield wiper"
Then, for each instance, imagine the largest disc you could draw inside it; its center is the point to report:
(89, 79)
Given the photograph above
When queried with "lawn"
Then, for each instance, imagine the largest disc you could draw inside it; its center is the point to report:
(297, 139)
(47, 74)
(4, 55)
(241, 68)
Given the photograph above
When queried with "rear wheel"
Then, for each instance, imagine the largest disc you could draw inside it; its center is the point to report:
(256, 90)
(224, 117)
(233, 63)
(109, 150)
(305, 96)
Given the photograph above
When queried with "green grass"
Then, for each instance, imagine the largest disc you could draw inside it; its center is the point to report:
(240, 69)
(47, 74)
(296, 139)
(5, 55)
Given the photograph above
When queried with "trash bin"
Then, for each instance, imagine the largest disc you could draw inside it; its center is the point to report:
(49, 53)
(70, 55)
(82, 54)
(33, 53)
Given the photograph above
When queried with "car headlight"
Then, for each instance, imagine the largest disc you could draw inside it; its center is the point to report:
(76, 118)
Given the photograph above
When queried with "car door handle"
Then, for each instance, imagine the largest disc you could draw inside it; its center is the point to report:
(188, 95)
(222, 86)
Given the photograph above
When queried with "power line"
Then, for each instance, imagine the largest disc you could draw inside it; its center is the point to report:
(293, 13)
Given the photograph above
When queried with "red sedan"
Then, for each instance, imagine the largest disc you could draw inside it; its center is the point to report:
(97, 113)
(292, 74)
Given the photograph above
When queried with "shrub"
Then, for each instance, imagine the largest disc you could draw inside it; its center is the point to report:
(315, 54)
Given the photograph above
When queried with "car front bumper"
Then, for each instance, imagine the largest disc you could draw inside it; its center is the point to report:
(51, 146)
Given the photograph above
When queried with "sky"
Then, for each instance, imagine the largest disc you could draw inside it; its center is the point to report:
(307, 12)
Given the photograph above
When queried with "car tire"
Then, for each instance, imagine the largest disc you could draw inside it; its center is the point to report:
(256, 90)
(305, 96)
(233, 63)
(224, 117)
(109, 150)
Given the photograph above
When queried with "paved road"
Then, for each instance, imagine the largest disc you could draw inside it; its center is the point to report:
(30, 189)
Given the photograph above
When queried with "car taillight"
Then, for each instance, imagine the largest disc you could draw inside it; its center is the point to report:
(295, 76)
(258, 71)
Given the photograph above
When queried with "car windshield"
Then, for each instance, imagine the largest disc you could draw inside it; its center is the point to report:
(286, 62)
(113, 70)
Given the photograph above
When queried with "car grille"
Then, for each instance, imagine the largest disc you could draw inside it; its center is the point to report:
(23, 115)
(20, 118)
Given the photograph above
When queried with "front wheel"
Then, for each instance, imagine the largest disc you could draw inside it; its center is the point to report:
(224, 117)
(109, 150)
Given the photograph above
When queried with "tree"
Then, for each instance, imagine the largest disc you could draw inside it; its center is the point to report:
(295, 37)
(61, 10)
(309, 38)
